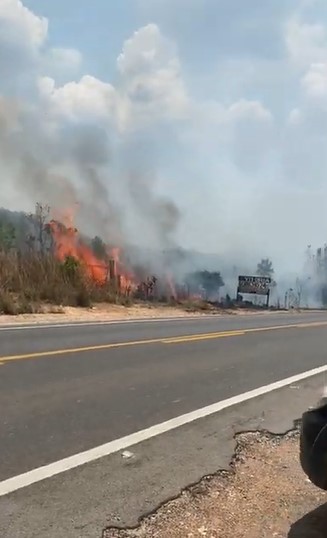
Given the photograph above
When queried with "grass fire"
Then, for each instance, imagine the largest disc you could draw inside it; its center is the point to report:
(47, 260)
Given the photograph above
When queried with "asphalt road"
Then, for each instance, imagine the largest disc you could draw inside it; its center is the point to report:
(65, 389)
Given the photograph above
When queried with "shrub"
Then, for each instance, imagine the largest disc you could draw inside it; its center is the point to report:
(29, 279)
(7, 304)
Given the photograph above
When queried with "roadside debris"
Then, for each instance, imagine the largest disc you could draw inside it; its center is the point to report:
(265, 495)
(126, 455)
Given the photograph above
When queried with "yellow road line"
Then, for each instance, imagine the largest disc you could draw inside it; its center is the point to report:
(313, 324)
(241, 332)
(171, 340)
(291, 326)
(100, 347)
(196, 337)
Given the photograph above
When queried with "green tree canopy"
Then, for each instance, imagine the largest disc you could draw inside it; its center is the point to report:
(265, 267)
(99, 248)
(7, 236)
(209, 281)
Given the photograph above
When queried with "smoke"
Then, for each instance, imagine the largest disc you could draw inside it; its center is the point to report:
(67, 145)
(164, 158)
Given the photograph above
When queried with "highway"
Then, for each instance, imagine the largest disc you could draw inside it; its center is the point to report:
(60, 404)
(68, 388)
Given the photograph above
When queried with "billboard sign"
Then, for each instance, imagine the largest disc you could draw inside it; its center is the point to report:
(259, 285)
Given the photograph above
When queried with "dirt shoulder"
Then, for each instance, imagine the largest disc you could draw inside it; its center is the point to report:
(110, 312)
(99, 312)
(265, 495)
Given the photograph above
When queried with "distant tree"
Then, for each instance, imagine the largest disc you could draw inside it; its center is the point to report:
(209, 281)
(40, 235)
(265, 268)
(7, 236)
(99, 248)
(322, 295)
(71, 268)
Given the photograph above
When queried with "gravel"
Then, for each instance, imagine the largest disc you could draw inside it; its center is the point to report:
(264, 495)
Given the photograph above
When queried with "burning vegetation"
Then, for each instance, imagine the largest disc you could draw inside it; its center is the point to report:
(104, 265)
(46, 259)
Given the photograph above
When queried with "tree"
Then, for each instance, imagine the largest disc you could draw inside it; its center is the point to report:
(265, 268)
(99, 248)
(40, 236)
(322, 295)
(209, 281)
(7, 236)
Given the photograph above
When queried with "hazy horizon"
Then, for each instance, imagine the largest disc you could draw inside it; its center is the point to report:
(193, 124)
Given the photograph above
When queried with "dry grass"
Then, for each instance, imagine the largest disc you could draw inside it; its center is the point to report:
(198, 306)
(31, 280)
(36, 284)
(267, 495)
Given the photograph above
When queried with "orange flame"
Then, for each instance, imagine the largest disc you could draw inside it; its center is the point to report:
(67, 242)
(126, 278)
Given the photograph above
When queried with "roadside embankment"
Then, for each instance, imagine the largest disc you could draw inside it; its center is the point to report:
(264, 495)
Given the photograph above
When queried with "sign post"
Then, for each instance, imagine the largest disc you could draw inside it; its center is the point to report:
(257, 285)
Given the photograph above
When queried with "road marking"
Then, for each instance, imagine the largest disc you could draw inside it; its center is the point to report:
(68, 351)
(238, 332)
(77, 460)
(37, 325)
(170, 340)
(207, 336)
(291, 326)
(312, 324)
(62, 325)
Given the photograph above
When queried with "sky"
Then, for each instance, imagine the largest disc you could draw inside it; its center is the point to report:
(195, 123)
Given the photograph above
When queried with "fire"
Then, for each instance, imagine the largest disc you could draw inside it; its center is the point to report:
(67, 242)
(125, 277)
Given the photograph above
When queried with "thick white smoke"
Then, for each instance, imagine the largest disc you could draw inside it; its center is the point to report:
(88, 142)
(109, 147)
(150, 163)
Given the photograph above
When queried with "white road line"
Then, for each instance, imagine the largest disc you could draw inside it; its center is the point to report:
(47, 471)
(204, 317)
(36, 325)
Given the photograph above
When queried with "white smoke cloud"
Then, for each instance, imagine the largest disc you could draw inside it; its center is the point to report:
(60, 62)
(151, 160)
(151, 76)
(303, 150)
(306, 43)
(315, 81)
(88, 99)
(20, 25)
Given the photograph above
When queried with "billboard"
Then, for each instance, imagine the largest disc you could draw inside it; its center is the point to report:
(260, 285)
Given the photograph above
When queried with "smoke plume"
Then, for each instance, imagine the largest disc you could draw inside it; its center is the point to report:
(162, 160)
